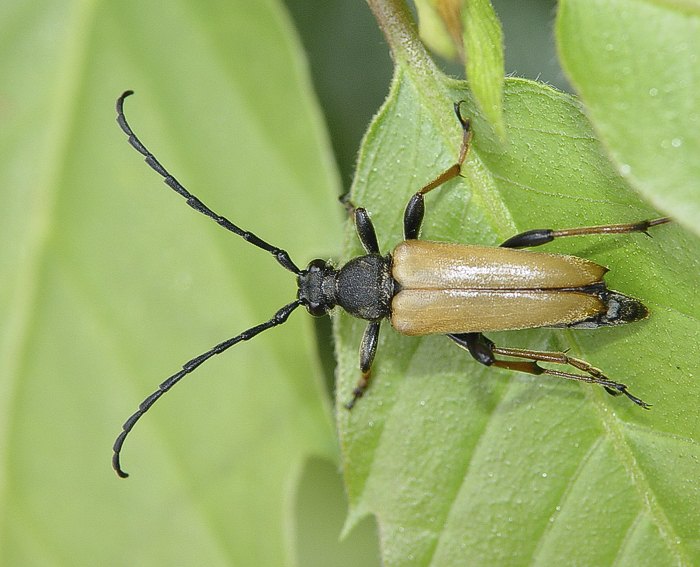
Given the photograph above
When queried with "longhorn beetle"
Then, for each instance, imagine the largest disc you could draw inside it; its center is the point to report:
(423, 288)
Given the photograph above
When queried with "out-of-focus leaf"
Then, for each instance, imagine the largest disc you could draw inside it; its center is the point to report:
(636, 65)
(471, 29)
(110, 282)
(434, 29)
(483, 44)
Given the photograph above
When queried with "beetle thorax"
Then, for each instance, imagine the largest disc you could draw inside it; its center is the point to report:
(365, 287)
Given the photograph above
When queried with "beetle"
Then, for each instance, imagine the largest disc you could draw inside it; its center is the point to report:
(424, 288)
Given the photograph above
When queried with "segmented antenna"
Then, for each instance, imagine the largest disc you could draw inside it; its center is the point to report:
(279, 318)
(281, 255)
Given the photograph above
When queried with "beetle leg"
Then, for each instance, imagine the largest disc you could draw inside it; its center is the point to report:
(541, 236)
(366, 232)
(368, 348)
(347, 203)
(595, 376)
(478, 346)
(415, 209)
(484, 351)
(363, 225)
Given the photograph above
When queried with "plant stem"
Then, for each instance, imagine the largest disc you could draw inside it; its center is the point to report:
(409, 53)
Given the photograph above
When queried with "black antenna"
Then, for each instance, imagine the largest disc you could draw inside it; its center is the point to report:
(281, 255)
(279, 318)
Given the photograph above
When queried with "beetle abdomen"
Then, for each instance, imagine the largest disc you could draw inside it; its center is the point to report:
(619, 309)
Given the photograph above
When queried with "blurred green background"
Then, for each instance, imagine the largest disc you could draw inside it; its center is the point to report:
(109, 282)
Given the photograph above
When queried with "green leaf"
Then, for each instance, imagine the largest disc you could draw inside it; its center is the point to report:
(483, 44)
(109, 282)
(462, 464)
(635, 65)
(433, 26)
(471, 29)
(320, 520)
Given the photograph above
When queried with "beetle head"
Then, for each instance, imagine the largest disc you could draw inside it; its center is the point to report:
(317, 287)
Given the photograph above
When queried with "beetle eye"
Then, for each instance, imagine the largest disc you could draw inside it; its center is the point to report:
(317, 310)
(316, 265)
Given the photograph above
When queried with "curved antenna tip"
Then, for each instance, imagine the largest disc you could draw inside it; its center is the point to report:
(120, 100)
(117, 467)
(116, 455)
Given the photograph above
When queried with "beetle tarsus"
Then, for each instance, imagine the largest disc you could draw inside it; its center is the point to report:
(619, 389)
(359, 391)
(458, 111)
(347, 203)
